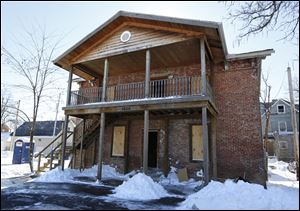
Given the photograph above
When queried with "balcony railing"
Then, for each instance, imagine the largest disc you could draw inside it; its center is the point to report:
(175, 87)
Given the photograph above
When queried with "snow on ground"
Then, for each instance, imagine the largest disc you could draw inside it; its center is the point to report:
(278, 174)
(69, 175)
(282, 193)
(140, 187)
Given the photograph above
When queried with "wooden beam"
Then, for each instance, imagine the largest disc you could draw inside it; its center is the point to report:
(100, 151)
(203, 67)
(147, 74)
(86, 70)
(145, 152)
(186, 32)
(64, 141)
(81, 145)
(214, 144)
(65, 132)
(205, 145)
(104, 83)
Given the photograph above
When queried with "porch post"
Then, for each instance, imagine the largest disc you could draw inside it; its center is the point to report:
(106, 66)
(102, 120)
(145, 152)
(205, 145)
(146, 112)
(214, 144)
(101, 137)
(66, 120)
(147, 74)
(203, 66)
(81, 144)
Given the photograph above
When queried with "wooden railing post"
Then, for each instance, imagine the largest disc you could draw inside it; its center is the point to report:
(203, 67)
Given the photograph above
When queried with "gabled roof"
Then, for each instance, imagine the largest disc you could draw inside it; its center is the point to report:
(275, 101)
(42, 128)
(213, 31)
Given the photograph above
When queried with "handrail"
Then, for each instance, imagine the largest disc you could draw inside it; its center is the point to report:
(50, 144)
(57, 146)
(171, 87)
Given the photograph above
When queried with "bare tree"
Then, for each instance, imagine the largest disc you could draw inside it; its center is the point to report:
(5, 102)
(259, 16)
(265, 98)
(33, 62)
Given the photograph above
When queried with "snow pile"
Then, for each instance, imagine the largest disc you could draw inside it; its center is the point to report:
(279, 174)
(140, 187)
(242, 195)
(68, 175)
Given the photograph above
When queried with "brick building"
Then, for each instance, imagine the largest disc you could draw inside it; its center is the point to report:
(161, 92)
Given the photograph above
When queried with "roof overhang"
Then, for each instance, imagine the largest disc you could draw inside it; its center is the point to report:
(64, 60)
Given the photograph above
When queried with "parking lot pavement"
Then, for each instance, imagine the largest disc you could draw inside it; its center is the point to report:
(55, 196)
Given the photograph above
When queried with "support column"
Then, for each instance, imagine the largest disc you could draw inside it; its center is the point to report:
(205, 145)
(145, 152)
(101, 137)
(147, 74)
(81, 144)
(214, 144)
(66, 120)
(203, 67)
(146, 112)
(102, 121)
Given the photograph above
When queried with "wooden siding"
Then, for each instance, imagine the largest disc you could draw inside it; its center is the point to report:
(141, 38)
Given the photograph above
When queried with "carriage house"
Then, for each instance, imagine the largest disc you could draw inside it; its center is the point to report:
(161, 92)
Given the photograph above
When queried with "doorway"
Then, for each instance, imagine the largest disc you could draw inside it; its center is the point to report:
(152, 149)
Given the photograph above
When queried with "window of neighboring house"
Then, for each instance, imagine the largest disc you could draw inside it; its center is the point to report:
(118, 141)
(282, 127)
(197, 143)
(283, 145)
(280, 109)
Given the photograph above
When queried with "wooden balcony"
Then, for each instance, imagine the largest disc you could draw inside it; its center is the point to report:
(159, 89)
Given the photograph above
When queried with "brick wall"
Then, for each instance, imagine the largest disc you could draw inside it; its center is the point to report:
(239, 141)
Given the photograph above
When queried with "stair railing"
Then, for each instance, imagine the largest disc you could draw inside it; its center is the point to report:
(54, 140)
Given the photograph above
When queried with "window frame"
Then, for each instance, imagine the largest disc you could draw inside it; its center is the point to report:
(279, 131)
(283, 109)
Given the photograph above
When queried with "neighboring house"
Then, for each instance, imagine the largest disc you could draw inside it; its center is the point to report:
(162, 92)
(43, 134)
(280, 133)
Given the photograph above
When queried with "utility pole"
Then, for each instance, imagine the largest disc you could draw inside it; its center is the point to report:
(15, 128)
(294, 122)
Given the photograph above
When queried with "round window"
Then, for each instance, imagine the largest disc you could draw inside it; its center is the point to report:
(125, 36)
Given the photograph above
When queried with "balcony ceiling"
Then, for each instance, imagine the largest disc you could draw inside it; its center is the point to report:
(177, 54)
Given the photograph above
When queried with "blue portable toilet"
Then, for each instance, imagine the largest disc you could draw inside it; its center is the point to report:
(25, 153)
(18, 149)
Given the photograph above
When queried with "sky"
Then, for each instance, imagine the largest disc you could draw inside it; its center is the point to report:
(74, 20)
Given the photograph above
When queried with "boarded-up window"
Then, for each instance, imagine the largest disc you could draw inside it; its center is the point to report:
(118, 141)
(197, 143)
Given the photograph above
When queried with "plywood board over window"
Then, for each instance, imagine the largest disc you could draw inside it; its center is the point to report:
(118, 141)
(197, 143)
